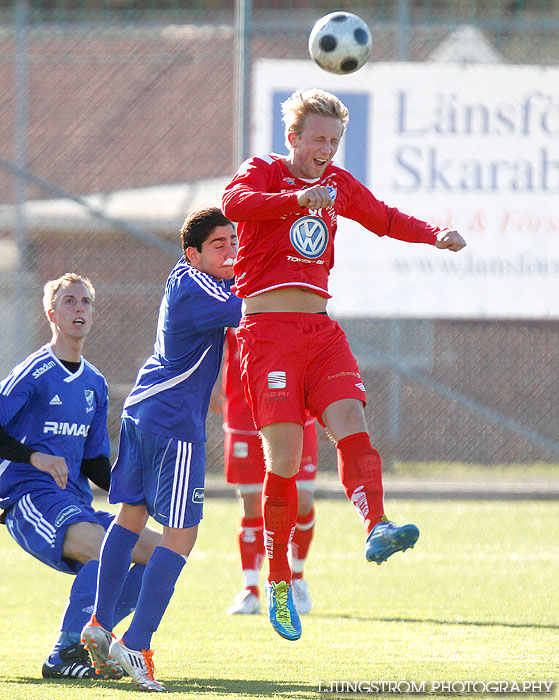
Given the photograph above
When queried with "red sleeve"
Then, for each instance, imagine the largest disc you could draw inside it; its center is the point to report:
(362, 206)
(248, 198)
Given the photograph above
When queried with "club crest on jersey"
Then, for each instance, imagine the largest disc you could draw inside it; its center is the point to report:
(333, 192)
(309, 236)
(89, 395)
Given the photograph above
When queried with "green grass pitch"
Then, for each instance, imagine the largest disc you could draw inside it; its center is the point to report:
(477, 599)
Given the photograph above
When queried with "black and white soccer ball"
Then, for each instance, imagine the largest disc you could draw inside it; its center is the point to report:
(340, 42)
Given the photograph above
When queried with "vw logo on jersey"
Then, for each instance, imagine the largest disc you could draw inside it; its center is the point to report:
(309, 236)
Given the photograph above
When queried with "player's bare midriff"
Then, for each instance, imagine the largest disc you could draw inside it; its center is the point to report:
(287, 299)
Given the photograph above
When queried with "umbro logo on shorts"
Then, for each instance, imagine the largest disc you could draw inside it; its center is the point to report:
(277, 380)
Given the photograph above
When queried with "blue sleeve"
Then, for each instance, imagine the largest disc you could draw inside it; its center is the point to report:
(97, 443)
(13, 397)
(213, 306)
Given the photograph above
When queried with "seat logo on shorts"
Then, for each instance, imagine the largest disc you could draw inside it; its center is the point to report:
(309, 236)
(198, 496)
(65, 514)
(277, 380)
(240, 450)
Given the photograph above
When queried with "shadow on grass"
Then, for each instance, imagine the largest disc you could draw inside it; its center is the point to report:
(239, 688)
(214, 687)
(432, 621)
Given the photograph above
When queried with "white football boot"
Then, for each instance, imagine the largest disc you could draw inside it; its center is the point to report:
(97, 640)
(301, 596)
(138, 665)
(245, 603)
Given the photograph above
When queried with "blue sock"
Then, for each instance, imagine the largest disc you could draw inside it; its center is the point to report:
(160, 576)
(128, 600)
(114, 563)
(79, 606)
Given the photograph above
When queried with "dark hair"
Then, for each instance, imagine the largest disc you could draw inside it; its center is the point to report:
(198, 226)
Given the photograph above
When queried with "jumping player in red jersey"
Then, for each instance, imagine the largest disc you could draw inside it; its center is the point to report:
(293, 357)
(245, 467)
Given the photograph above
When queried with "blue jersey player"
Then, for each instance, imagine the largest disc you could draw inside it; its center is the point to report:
(53, 436)
(160, 468)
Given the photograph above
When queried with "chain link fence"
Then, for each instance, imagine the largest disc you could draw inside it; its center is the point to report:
(116, 122)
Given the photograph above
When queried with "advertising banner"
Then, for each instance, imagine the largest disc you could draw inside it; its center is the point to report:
(471, 147)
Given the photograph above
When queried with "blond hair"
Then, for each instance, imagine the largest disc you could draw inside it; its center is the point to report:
(52, 288)
(300, 104)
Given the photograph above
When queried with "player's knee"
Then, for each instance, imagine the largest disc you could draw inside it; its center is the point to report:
(286, 469)
(306, 501)
(344, 417)
(149, 539)
(82, 541)
(283, 445)
(251, 504)
(179, 540)
(283, 462)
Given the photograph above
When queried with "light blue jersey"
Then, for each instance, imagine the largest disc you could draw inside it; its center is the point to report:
(55, 411)
(172, 392)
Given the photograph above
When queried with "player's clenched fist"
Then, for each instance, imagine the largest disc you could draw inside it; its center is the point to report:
(450, 240)
(53, 465)
(317, 197)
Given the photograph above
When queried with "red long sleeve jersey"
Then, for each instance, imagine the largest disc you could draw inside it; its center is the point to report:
(282, 244)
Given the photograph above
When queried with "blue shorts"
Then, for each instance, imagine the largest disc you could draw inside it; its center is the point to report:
(164, 474)
(39, 520)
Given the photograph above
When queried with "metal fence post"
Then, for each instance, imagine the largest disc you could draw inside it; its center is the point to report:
(403, 30)
(243, 16)
(21, 329)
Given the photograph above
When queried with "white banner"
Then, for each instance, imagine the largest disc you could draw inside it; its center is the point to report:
(471, 147)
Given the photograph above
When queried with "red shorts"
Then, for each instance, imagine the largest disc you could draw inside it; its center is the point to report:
(293, 361)
(244, 457)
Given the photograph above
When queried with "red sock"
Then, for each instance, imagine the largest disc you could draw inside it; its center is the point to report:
(304, 531)
(279, 507)
(251, 545)
(360, 471)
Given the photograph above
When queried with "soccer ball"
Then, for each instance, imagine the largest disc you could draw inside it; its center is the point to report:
(340, 42)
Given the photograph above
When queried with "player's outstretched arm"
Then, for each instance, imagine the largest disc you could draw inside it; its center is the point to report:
(53, 465)
(450, 239)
